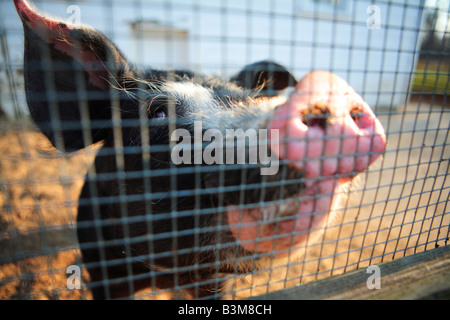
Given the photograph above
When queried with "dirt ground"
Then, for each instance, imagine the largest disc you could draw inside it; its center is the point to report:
(39, 189)
(398, 208)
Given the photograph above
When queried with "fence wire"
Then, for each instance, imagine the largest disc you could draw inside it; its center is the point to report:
(150, 228)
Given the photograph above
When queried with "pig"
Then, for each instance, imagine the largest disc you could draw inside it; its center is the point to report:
(147, 221)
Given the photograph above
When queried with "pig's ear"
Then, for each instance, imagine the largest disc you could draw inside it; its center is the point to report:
(268, 77)
(70, 72)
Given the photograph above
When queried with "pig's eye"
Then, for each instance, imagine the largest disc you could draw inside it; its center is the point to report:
(159, 113)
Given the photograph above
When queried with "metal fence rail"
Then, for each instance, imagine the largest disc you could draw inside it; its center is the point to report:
(168, 226)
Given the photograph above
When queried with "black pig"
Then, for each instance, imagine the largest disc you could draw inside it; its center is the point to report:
(146, 219)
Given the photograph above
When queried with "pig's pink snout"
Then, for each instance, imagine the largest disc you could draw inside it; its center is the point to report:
(325, 128)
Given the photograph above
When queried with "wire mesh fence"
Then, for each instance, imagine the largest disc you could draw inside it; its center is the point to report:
(118, 178)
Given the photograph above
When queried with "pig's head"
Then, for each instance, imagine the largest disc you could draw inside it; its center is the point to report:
(81, 90)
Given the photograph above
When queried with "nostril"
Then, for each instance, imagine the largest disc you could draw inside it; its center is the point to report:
(316, 115)
(356, 112)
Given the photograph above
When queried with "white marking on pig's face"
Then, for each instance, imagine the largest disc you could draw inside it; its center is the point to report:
(216, 111)
(193, 98)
